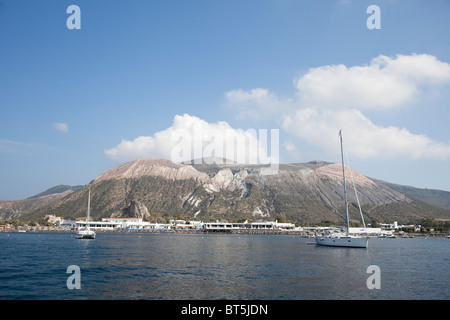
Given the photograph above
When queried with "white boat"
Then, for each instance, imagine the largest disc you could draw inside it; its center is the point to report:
(391, 236)
(86, 233)
(344, 239)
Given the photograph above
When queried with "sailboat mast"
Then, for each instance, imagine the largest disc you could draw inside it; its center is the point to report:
(88, 209)
(345, 188)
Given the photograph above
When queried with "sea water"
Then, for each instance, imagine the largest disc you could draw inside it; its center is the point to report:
(34, 266)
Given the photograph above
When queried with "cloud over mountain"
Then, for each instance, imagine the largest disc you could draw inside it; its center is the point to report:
(190, 137)
(385, 82)
(363, 138)
(328, 98)
(333, 97)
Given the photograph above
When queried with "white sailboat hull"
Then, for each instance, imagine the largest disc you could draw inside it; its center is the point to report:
(85, 234)
(349, 242)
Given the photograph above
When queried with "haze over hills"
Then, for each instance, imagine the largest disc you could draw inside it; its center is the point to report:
(11, 209)
(435, 197)
(302, 192)
(57, 189)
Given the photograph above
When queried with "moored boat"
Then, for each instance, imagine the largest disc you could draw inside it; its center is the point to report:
(86, 233)
(341, 239)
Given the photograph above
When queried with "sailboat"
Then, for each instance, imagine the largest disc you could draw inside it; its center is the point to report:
(86, 233)
(344, 239)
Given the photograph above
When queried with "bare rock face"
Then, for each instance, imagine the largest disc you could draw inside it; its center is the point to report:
(258, 213)
(152, 167)
(134, 210)
(226, 180)
(369, 192)
(313, 190)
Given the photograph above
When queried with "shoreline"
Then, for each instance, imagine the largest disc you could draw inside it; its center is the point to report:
(229, 232)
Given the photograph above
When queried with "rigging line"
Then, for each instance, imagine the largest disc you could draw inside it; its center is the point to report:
(356, 193)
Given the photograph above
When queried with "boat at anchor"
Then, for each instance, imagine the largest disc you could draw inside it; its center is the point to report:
(344, 239)
(86, 233)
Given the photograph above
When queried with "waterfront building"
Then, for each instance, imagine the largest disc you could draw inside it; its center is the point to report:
(365, 231)
(67, 225)
(182, 225)
(136, 224)
(371, 232)
(115, 224)
(389, 225)
(246, 226)
(98, 225)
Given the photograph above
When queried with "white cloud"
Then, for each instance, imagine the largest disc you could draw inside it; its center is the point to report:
(362, 137)
(329, 98)
(289, 146)
(386, 82)
(334, 97)
(61, 126)
(291, 149)
(190, 138)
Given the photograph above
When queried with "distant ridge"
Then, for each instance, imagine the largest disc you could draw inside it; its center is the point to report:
(435, 197)
(57, 189)
(16, 209)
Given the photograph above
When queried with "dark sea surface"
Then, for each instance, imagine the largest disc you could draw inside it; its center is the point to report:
(33, 266)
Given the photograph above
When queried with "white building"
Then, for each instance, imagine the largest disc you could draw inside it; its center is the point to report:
(389, 225)
(136, 224)
(231, 226)
(67, 225)
(360, 231)
(98, 225)
(182, 225)
(365, 231)
(114, 224)
(286, 226)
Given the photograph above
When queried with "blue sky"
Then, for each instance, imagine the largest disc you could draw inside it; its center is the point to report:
(74, 102)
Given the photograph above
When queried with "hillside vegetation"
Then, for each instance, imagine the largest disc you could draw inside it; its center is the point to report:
(301, 193)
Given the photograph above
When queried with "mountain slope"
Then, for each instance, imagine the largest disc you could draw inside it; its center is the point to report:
(303, 193)
(57, 189)
(11, 209)
(437, 198)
